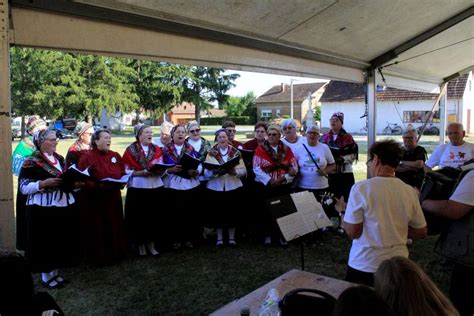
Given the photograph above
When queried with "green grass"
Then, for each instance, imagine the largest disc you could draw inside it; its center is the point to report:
(197, 282)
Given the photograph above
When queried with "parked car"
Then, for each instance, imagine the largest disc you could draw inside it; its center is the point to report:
(63, 133)
(16, 133)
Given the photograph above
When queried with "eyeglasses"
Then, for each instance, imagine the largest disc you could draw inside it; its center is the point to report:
(272, 134)
(195, 130)
(228, 130)
(313, 133)
(408, 137)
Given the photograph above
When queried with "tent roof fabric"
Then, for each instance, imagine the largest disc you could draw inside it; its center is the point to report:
(340, 91)
(282, 93)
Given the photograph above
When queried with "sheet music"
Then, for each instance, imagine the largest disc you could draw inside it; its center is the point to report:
(293, 226)
(123, 179)
(311, 210)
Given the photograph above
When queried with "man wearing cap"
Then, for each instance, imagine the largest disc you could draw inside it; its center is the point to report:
(345, 151)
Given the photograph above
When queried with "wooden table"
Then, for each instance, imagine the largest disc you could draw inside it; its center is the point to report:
(290, 280)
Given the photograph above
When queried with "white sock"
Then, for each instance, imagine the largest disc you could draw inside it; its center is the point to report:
(268, 240)
(141, 250)
(219, 233)
(232, 233)
(151, 248)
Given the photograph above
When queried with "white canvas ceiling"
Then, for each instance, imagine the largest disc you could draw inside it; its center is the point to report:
(318, 38)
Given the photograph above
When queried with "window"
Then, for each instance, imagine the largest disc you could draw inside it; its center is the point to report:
(277, 113)
(419, 116)
(266, 113)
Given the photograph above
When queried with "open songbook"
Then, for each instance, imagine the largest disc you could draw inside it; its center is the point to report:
(247, 156)
(72, 175)
(122, 180)
(298, 214)
(228, 165)
(187, 162)
(160, 167)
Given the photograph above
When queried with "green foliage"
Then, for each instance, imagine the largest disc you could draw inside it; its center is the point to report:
(56, 84)
(205, 85)
(242, 106)
(317, 114)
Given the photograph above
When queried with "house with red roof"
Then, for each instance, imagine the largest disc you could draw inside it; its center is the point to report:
(276, 102)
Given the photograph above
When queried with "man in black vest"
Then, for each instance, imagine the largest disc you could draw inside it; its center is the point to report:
(460, 210)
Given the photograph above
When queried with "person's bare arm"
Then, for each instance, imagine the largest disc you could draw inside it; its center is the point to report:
(417, 232)
(353, 230)
(410, 165)
(446, 208)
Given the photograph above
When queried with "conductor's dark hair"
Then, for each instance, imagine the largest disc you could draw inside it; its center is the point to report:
(389, 152)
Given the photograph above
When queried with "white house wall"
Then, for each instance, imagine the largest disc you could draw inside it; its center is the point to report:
(387, 111)
(468, 104)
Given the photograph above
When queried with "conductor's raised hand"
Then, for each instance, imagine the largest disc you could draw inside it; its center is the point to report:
(340, 205)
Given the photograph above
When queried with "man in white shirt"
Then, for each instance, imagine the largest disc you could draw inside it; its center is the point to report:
(458, 209)
(454, 153)
(382, 212)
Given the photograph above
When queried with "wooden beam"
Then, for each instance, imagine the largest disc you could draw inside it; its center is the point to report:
(7, 218)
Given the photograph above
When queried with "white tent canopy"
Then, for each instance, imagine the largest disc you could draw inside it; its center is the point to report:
(416, 45)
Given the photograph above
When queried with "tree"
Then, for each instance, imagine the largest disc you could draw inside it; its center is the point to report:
(238, 106)
(205, 85)
(157, 85)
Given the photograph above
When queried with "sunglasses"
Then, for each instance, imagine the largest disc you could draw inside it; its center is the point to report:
(195, 130)
(272, 134)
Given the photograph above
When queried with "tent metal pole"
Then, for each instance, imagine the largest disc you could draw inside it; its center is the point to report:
(371, 107)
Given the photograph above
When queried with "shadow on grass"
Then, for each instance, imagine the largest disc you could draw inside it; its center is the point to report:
(199, 281)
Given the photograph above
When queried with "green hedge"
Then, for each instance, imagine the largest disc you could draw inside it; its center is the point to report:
(238, 120)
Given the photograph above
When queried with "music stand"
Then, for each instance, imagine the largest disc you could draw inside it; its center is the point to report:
(297, 214)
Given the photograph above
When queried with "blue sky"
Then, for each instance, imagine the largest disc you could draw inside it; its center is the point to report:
(259, 82)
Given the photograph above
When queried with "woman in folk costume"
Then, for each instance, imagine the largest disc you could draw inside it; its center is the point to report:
(84, 133)
(275, 167)
(183, 188)
(51, 213)
(199, 143)
(345, 151)
(224, 187)
(23, 150)
(105, 242)
(141, 218)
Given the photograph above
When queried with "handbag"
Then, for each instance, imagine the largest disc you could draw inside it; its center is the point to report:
(296, 303)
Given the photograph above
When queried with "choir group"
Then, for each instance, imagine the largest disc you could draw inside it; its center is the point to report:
(185, 172)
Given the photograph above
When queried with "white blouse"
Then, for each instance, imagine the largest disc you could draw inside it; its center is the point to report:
(225, 182)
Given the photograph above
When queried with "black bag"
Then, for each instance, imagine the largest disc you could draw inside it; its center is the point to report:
(438, 185)
(296, 303)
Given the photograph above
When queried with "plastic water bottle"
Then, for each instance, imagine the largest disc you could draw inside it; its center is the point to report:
(269, 306)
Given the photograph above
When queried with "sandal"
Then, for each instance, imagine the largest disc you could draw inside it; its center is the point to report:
(48, 284)
(219, 243)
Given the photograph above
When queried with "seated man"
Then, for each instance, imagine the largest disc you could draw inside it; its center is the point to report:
(381, 213)
(411, 168)
(454, 153)
(460, 207)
